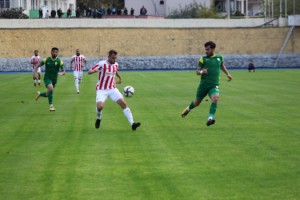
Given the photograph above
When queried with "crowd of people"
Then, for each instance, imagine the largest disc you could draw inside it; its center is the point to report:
(91, 12)
(98, 13)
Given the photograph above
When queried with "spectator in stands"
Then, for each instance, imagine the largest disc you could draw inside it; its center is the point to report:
(102, 11)
(143, 11)
(125, 11)
(113, 10)
(131, 11)
(89, 12)
(99, 14)
(40, 13)
(251, 66)
(47, 14)
(119, 11)
(53, 13)
(94, 13)
(59, 13)
(77, 11)
(69, 12)
(108, 11)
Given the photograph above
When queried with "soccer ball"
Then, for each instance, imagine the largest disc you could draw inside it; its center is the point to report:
(128, 91)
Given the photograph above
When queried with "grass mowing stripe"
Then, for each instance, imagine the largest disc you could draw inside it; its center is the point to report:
(251, 152)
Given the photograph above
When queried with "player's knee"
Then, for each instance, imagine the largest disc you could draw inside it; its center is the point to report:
(99, 108)
(122, 103)
(215, 98)
(197, 102)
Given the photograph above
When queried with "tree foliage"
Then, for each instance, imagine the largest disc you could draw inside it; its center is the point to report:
(13, 13)
(289, 7)
(194, 10)
(84, 4)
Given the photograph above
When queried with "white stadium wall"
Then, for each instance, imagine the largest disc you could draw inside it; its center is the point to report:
(153, 7)
(172, 5)
(134, 23)
(294, 20)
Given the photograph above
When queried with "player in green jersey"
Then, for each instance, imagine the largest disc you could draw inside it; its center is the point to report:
(52, 66)
(209, 70)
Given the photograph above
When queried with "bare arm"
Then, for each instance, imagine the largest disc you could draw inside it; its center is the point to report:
(35, 70)
(71, 64)
(93, 70)
(224, 69)
(33, 62)
(63, 71)
(200, 71)
(83, 66)
(120, 79)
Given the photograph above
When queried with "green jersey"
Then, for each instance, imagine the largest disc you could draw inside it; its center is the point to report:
(213, 66)
(52, 67)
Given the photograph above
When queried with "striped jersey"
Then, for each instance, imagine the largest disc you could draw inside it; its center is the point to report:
(35, 60)
(107, 73)
(79, 62)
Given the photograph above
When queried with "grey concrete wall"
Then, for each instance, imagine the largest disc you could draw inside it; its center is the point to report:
(131, 23)
(183, 62)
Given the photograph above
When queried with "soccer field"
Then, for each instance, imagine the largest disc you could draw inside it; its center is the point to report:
(252, 152)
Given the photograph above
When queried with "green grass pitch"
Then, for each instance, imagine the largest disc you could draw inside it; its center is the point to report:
(252, 152)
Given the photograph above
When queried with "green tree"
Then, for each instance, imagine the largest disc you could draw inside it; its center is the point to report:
(83, 4)
(13, 13)
(194, 10)
(289, 7)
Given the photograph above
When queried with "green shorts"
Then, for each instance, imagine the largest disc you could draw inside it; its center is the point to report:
(49, 81)
(205, 89)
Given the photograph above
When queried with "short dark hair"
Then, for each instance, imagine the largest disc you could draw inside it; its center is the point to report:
(210, 44)
(54, 48)
(111, 52)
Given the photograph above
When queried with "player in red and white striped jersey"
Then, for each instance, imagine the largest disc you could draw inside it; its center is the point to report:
(106, 87)
(35, 60)
(80, 63)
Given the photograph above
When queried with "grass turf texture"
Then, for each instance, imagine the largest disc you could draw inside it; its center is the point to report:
(252, 152)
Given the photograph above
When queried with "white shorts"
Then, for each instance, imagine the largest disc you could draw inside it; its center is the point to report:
(113, 94)
(78, 75)
(38, 70)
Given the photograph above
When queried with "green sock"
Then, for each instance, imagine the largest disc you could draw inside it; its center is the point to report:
(191, 106)
(212, 110)
(50, 97)
(44, 94)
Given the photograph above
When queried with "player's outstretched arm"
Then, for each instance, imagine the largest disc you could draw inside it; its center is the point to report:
(120, 78)
(93, 70)
(63, 72)
(71, 64)
(224, 69)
